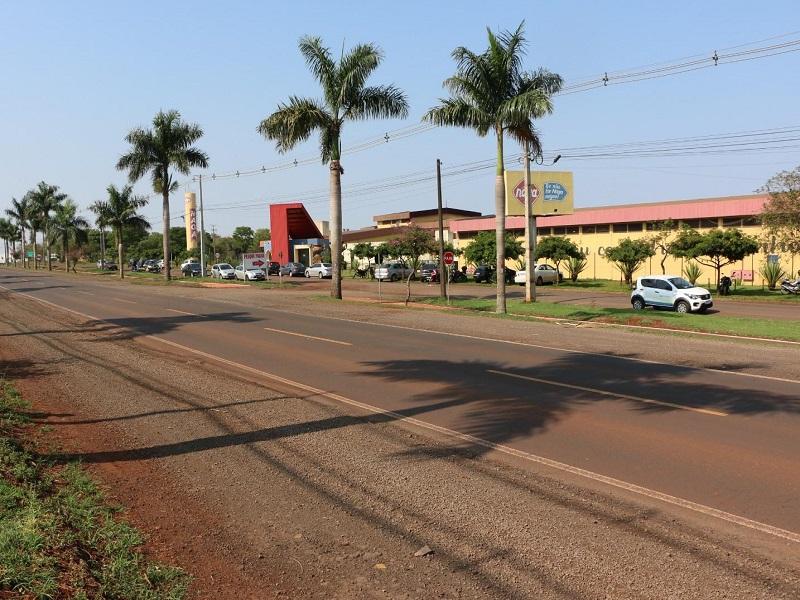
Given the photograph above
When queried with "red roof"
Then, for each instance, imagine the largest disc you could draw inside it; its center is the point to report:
(733, 206)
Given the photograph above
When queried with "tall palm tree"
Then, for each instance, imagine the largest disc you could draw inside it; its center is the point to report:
(345, 96)
(68, 225)
(7, 231)
(119, 212)
(45, 199)
(20, 212)
(167, 146)
(491, 92)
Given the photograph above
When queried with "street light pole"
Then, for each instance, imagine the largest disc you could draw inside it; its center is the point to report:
(202, 231)
(442, 281)
(530, 226)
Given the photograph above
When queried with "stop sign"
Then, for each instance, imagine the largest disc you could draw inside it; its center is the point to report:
(448, 258)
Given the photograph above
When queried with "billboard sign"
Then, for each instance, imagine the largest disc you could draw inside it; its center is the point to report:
(551, 193)
(254, 260)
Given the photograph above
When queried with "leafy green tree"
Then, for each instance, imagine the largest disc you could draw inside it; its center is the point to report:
(663, 235)
(243, 239)
(781, 214)
(413, 243)
(45, 199)
(120, 211)
(161, 151)
(482, 250)
(559, 249)
(364, 251)
(345, 97)
(716, 248)
(261, 235)
(629, 255)
(7, 233)
(385, 251)
(491, 92)
(68, 225)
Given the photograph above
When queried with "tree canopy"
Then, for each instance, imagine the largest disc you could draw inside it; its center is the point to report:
(558, 249)
(781, 214)
(716, 248)
(629, 255)
(482, 249)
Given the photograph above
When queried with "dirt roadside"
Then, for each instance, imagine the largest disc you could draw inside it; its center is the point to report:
(260, 493)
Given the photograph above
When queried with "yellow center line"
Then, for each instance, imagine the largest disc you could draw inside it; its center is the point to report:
(705, 411)
(311, 337)
(182, 312)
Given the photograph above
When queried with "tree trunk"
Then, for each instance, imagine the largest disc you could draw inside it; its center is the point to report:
(165, 217)
(35, 259)
(500, 225)
(336, 228)
(120, 266)
(65, 250)
(47, 245)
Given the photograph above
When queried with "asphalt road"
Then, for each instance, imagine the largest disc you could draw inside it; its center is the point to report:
(720, 443)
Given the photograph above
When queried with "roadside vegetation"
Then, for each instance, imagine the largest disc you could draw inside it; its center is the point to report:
(739, 326)
(59, 538)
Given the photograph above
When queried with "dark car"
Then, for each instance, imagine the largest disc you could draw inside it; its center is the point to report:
(191, 270)
(273, 268)
(428, 271)
(485, 273)
(293, 269)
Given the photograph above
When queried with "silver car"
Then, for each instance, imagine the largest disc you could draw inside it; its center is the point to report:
(320, 270)
(249, 274)
(223, 271)
(393, 271)
(541, 274)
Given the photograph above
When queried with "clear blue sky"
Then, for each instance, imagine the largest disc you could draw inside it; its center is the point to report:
(78, 76)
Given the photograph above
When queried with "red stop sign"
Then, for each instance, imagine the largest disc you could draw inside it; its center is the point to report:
(448, 258)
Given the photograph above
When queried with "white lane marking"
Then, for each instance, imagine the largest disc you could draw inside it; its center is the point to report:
(182, 312)
(545, 347)
(311, 337)
(84, 292)
(124, 300)
(705, 411)
(630, 487)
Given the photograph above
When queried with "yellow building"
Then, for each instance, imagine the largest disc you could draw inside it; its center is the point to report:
(596, 229)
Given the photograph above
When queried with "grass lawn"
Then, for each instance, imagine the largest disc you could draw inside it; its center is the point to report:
(743, 292)
(58, 536)
(763, 328)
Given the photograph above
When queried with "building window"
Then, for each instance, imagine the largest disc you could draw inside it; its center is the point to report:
(559, 230)
(602, 228)
(627, 227)
(709, 223)
(589, 229)
(732, 222)
(543, 231)
(572, 230)
(751, 222)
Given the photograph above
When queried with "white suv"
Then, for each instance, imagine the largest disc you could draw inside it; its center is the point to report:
(670, 291)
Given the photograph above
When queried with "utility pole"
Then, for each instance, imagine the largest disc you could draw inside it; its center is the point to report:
(202, 231)
(442, 276)
(530, 231)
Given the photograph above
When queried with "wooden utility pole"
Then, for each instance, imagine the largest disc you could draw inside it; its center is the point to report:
(202, 232)
(442, 275)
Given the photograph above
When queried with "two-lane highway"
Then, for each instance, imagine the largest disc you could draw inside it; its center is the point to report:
(707, 440)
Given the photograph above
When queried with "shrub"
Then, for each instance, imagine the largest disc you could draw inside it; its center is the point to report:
(692, 272)
(575, 266)
(772, 273)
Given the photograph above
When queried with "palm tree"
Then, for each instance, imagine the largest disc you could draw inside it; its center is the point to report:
(119, 212)
(7, 231)
(168, 146)
(345, 97)
(19, 212)
(66, 225)
(45, 199)
(491, 92)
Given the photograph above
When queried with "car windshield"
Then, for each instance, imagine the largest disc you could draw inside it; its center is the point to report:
(680, 283)
(225, 266)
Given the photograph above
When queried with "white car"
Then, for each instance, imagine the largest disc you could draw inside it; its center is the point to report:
(223, 271)
(189, 261)
(249, 274)
(670, 291)
(394, 271)
(542, 274)
(320, 270)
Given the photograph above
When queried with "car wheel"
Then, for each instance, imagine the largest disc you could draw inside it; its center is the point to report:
(638, 304)
(682, 307)
(320, 275)
(308, 275)
(539, 280)
(394, 277)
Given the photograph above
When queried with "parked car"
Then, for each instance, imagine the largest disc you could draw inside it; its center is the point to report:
(273, 268)
(151, 266)
(223, 271)
(319, 270)
(427, 271)
(293, 269)
(670, 291)
(486, 274)
(189, 261)
(191, 269)
(106, 265)
(394, 271)
(253, 274)
(542, 274)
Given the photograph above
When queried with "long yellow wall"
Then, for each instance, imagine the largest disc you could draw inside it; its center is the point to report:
(598, 267)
